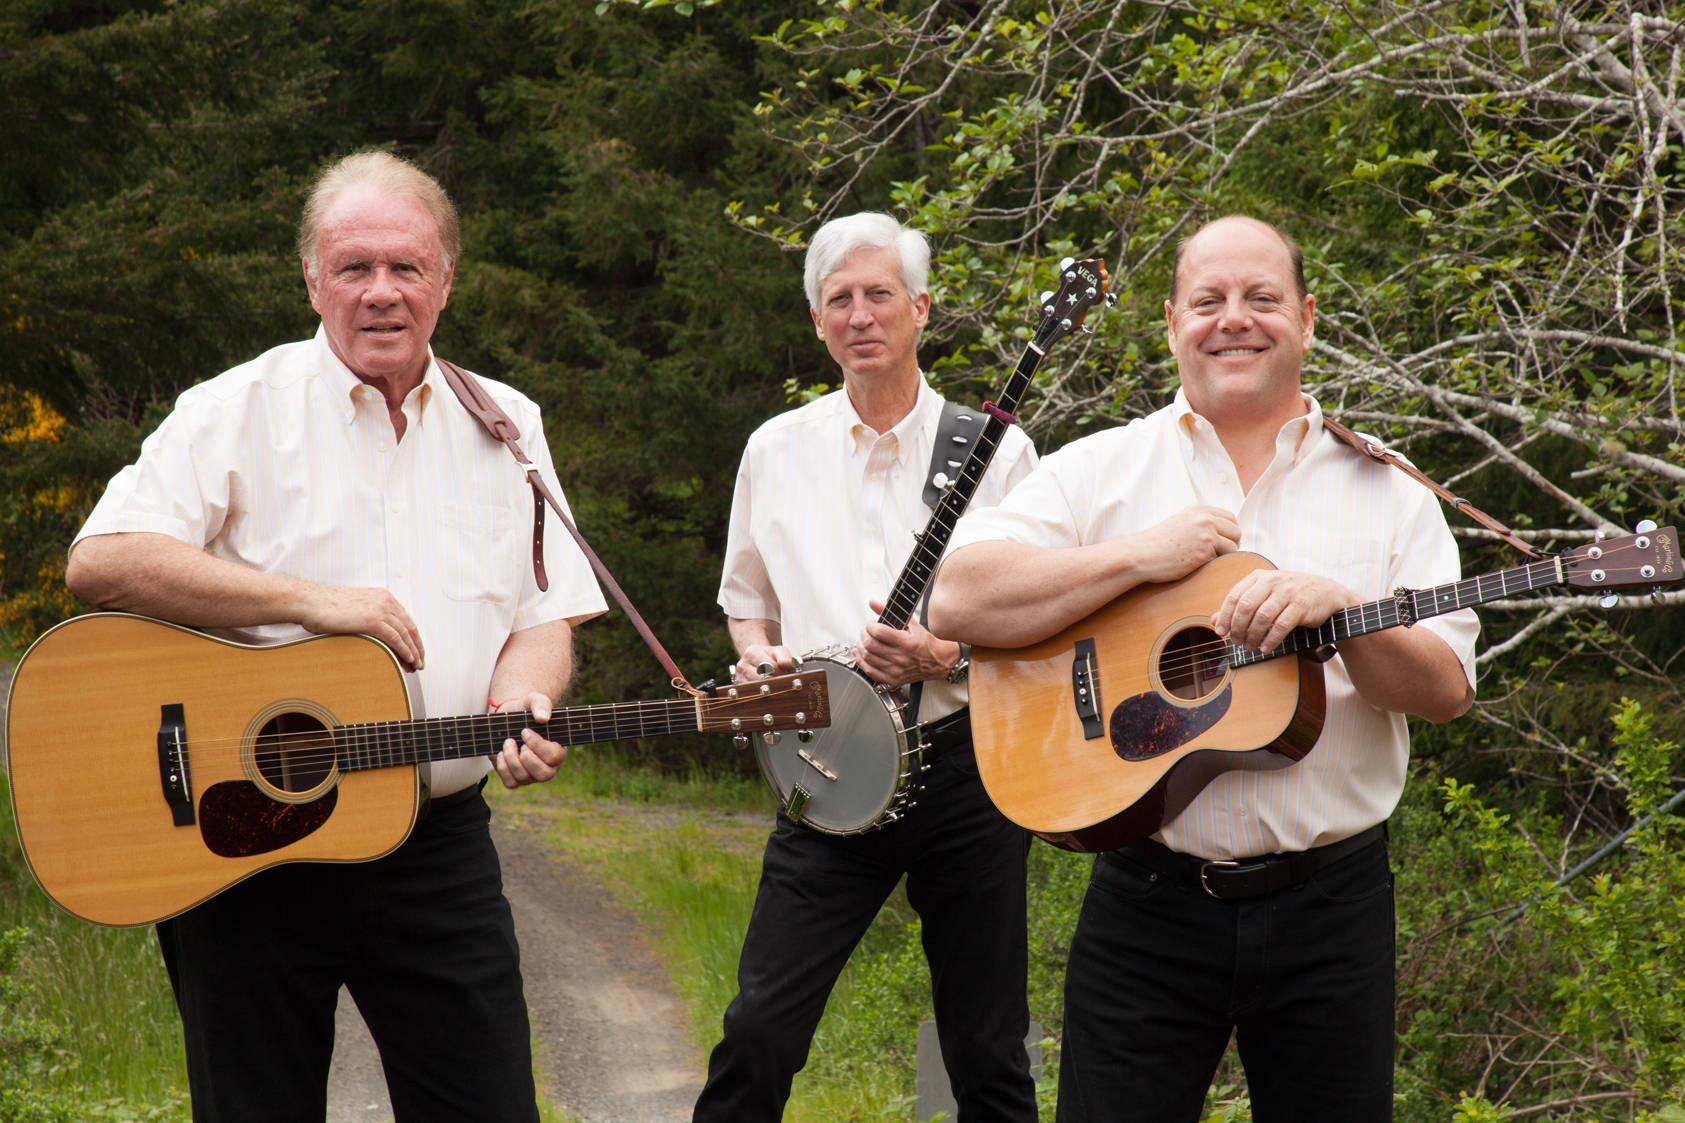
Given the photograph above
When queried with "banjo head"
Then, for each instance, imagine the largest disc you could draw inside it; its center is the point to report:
(854, 771)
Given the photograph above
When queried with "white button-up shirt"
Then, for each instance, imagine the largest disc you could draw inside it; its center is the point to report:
(287, 464)
(1320, 508)
(823, 519)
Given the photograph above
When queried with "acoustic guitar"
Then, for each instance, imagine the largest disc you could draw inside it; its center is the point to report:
(1097, 736)
(152, 767)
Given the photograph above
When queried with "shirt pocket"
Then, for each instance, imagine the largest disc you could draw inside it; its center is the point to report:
(479, 552)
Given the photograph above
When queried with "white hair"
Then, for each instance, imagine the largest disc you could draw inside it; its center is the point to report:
(840, 237)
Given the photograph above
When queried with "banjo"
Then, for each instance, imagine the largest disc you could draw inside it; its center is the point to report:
(859, 773)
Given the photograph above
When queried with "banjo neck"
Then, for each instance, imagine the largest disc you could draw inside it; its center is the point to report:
(1083, 286)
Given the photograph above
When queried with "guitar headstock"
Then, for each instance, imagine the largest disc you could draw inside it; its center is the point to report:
(1082, 286)
(1631, 563)
(793, 701)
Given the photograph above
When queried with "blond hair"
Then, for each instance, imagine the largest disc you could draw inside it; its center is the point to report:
(390, 173)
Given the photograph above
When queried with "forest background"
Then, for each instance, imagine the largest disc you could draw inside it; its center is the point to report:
(1489, 197)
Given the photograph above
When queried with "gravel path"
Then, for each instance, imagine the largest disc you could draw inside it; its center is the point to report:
(611, 1037)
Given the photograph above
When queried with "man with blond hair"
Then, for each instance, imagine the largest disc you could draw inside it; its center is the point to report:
(336, 485)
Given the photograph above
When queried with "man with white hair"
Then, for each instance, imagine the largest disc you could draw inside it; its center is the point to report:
(336, 485)
(827, 501)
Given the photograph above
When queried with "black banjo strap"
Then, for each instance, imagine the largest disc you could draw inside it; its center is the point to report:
(956, 432)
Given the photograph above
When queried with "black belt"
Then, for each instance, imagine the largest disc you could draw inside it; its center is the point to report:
(946, 734)
(1248, 877)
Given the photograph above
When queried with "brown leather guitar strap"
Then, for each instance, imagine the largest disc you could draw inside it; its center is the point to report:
(1375, 451)
(502, 429)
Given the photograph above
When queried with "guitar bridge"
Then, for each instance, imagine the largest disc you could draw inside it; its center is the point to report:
(1085, 689)
(817, 767)
(172, 763)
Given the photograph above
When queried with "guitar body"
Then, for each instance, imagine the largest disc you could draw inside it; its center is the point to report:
(1099, 735)
(83, 731)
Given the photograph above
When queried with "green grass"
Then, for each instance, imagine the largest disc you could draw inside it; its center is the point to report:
(684, 855)
(105, 989)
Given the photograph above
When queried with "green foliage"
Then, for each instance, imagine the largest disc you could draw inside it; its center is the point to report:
(1528, 985)
(27, 1046)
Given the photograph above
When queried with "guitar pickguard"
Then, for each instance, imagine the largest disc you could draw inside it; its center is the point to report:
(237, 820)
(1146, 725)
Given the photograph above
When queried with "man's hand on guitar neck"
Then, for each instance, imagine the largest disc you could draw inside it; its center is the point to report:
(896, 657)
(1267, 604)
(532, 759)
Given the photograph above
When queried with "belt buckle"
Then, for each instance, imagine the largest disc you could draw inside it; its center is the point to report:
(1206, 885)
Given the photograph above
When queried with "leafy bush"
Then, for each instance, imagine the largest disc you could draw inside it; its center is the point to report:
(28, 1046)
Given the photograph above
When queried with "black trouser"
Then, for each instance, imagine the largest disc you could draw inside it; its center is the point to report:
(423, 939)
(1160, 973)
(818, 894)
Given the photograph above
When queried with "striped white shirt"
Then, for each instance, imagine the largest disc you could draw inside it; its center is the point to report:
(287, 464)
(823, 518)
(1320, 508)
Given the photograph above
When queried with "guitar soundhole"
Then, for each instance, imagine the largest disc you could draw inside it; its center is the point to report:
(294, 753)
(1193, 664)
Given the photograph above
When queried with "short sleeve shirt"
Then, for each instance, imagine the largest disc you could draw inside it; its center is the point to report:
(288, 464)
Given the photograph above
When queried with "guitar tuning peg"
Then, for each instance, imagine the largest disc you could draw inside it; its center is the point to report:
(1047, 298)
(1645, 526)
(1608, 600)
(1066, 263)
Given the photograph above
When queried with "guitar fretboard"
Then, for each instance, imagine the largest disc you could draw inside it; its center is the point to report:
(382, 744)
(1361, 619)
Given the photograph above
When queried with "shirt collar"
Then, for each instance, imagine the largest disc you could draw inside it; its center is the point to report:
(348, 387)
(1295, 439)
(864, 436)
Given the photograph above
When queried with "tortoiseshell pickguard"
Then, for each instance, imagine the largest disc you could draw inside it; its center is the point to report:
(1146, 725)
(237, 819)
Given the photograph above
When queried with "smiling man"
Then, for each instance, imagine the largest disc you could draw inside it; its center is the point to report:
(336, 485)
(827, 501)
(1265, 908)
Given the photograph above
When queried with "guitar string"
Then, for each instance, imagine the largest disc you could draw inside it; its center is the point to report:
(622, 716)
(1185, 661)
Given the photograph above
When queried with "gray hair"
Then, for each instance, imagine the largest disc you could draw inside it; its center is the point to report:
(394, 175)
(866, 230)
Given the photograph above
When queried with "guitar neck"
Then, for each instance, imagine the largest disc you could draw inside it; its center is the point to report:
(382, 744)
(928, 545)
(1407, 607)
